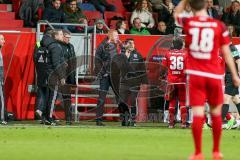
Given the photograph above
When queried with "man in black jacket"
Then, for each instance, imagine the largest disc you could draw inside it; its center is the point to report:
(56, 69)
(212, 12)
(41, 62)
(104, 54)
(70, 60)
(130, 64)
(54, 13)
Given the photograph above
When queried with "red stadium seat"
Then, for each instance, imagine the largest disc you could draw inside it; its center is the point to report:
(92, 16)
(12, 23)
(155, 17)
(7, 15)
(118, 4)
(109, 15)
(3, 7)
(128, 17)
(17, 29)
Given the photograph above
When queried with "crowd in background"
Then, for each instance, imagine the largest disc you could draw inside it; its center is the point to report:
(143, 17)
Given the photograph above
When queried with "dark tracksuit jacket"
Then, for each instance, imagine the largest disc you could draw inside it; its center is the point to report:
(104, 54)
(70, 60)
(55, 72)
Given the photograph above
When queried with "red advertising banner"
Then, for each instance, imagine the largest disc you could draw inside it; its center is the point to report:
(19, 73)
(19, 68)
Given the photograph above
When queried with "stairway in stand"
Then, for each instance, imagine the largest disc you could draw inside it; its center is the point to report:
(8, 21)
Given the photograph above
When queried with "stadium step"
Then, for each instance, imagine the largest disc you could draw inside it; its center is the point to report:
(93, 115)
(91, 96)
(6, 7)
(11, 23)
(17, 29)
(95, 105)
(7, 15)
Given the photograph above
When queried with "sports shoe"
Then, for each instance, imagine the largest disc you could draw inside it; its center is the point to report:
(132, 123)
(68, 123)
(50, 122)
(38, 114)
(230, 123)
(3, 122)
(217, 156)
(100, 123)
(196, 157)
(183, 126)
(171, 126)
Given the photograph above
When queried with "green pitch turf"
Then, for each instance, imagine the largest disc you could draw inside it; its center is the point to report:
(87, 142)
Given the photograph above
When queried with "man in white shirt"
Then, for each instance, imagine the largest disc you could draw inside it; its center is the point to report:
(2, 106)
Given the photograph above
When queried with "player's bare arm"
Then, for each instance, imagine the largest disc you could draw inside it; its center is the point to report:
(230, 63)
(180, 8)
(238, 66)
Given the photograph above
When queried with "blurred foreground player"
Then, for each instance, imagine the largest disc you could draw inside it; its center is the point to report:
(175, 62)
(204, 38)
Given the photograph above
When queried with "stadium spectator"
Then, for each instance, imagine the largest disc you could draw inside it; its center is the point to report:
(231, 30)
(2, 103)
(28, 12)
(175, 2)
(102, 5)
(232, 16)
(5, 1)
(54, 13)
(56, 70)
(129, 5)
(156, 4)
(121, 27)
(131, 68)
(73, 14)
(47, 3)
(104, 54)
(70, 60)
(138, 29)
(85, 6)
(166, 10)
(212, 12)
(144, 12)
(100, 29)
(160, 30)
(165, 13)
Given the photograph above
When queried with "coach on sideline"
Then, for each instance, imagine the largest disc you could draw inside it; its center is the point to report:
(56, 70)
(2, 106)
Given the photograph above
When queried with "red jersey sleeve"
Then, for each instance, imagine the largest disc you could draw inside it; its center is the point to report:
(225, 39)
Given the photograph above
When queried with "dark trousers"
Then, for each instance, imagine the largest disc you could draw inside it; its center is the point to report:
(41, 100)
(52, 96)
(127, 100)
(67, 107)
(105, 83)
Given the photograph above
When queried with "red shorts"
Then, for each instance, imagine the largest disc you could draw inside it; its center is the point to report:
(177, 91)
(201, 89)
